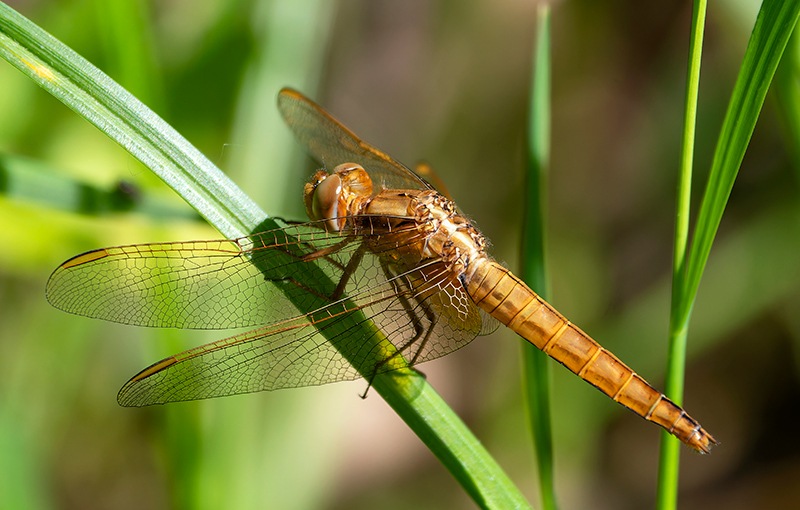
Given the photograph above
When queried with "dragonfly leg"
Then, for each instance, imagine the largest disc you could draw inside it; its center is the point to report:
(347, 271)
(421, 333)
(323, 254)
(313, 253)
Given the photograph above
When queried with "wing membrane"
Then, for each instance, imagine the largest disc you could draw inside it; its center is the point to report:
(418, 311)
(322, 346)
(331, 143)
(203, 284)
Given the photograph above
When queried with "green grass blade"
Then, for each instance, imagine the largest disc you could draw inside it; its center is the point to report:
(536, 364)
(670, 450)
(96, 97)
(773, 27)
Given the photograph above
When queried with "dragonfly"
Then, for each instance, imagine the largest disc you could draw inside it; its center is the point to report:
(388, 273)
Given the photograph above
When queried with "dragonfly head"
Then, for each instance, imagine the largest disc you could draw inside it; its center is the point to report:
(332, 197)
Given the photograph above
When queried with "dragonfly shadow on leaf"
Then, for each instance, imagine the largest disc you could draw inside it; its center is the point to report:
(312, 285)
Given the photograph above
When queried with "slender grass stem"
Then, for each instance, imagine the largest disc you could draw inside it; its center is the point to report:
(536, 365)
(670, 448)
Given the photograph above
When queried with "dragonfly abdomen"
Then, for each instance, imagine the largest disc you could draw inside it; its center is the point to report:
(497, 291)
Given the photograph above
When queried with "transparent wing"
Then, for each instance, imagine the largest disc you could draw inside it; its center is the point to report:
(216, 284)
(418, 315)
(354, 309)
(331, 143)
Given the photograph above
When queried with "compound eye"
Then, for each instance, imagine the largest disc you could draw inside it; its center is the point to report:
(326, 200)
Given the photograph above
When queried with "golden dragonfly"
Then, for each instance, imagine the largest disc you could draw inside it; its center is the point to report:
(387, 273)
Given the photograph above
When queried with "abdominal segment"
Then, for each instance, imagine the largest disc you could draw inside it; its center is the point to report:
(507, 298)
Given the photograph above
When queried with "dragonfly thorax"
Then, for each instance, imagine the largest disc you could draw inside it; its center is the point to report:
(422, 225)
(452, 237)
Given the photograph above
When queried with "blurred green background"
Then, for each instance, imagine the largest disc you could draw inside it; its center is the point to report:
(443, 81)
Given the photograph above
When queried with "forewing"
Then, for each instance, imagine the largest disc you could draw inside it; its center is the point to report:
(202, 284)
(331, 143)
